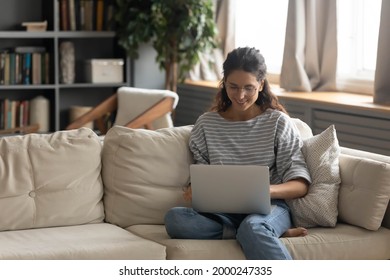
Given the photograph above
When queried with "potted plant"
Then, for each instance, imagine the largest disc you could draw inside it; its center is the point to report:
(179, 31)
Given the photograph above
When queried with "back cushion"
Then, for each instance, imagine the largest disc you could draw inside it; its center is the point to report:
(50, 180)
(304, 129)
(144, 172)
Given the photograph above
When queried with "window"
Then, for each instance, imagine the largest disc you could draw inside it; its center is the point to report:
(357, 36)
(262, 24)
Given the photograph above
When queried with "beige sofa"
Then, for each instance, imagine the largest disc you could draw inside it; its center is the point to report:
(68, 196)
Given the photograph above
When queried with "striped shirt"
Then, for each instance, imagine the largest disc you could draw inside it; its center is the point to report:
(269, 139)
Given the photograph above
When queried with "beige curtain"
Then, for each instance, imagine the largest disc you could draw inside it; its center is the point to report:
(210, 66)
(382, 81)
(310, 51)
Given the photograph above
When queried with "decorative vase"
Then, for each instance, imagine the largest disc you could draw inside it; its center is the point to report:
(67, 62)
(39, 113)
(77, 111)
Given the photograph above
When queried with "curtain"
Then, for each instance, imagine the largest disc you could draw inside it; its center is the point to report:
(310, 51)
(209, 67)
(382, 81)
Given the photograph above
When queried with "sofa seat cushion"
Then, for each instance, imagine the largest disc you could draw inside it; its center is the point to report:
(91, 241)
(50, 180)
(190, 249)
(341, 242)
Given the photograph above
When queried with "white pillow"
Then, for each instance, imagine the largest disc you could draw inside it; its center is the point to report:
(144, 172)
(319, 206)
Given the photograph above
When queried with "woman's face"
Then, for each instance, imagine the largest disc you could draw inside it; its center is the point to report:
(242, 89)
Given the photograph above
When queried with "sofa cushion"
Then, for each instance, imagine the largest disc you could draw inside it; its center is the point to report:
(144, 172)
(190, 249)
(100, 241)
(303, 128)
(365, 191)
(50, 180)
(319, 206)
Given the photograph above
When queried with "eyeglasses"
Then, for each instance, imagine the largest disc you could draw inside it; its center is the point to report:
(248, 90)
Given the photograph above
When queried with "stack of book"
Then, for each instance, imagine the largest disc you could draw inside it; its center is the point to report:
(86, 15)
(14, 113)
(24, 66)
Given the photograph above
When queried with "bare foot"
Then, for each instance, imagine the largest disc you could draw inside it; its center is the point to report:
(295, 232)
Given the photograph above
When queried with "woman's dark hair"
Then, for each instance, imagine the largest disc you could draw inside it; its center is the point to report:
(252, 61)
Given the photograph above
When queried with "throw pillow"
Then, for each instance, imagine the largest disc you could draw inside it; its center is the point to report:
(319, 207)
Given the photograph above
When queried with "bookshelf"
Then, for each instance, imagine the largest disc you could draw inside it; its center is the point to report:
(88, 44)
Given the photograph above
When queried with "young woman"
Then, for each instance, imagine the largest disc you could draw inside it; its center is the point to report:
(247, 125)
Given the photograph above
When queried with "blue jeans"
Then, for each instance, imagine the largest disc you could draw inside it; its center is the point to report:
(257, 234)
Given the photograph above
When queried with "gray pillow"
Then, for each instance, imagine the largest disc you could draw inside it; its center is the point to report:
(319, 207)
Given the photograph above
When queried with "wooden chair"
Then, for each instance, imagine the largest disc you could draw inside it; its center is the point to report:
(20, 130)
(134, 108)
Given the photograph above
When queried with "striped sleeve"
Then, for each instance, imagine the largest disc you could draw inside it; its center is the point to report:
(290, 163)
(197, 144)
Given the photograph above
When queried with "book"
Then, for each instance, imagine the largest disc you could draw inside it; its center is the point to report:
(99, 15)
(64, 15)
(72, 15)
(109, 23)
(6, 113)
(88, 15)
(20, 113)
(7, 69)
(82, 14)
(12, 68)
(2, 67)
(77, 14)
(29, 49)
(26, 68)
(36, 68)
(26, 113)
(18, 67)
(46, 74)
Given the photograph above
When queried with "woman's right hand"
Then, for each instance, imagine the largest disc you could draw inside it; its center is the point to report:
(187, 195)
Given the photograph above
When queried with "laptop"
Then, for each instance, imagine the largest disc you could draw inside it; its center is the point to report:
(241, 189)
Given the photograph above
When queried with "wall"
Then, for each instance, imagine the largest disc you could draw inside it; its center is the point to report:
(146, 73)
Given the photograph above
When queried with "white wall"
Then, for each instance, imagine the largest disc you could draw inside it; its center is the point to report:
(146, 71)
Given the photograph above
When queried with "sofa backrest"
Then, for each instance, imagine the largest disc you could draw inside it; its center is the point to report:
(144, 173)
(382, 174)
(49, 180)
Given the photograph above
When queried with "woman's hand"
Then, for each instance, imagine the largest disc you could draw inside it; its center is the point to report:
(187, 195)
